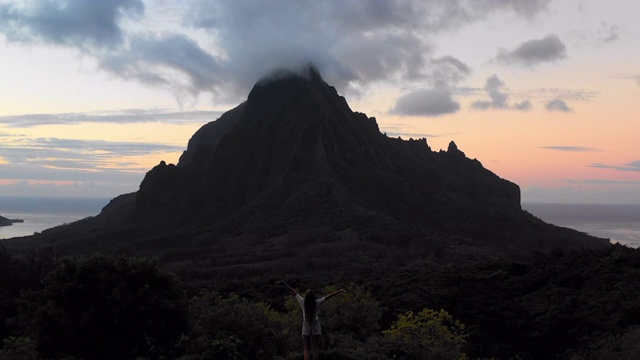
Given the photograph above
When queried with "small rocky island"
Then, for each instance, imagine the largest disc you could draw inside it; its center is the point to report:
(6, 222)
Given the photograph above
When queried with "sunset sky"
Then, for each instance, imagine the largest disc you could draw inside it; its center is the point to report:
(544, 93)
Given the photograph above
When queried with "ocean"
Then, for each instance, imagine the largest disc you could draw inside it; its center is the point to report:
(620, 223)
(40, 213)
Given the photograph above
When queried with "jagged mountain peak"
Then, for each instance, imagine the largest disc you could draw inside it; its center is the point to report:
(295, 156)
(293, 140)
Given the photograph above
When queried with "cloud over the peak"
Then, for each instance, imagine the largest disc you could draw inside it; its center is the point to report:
(224, 47)
(533, 52)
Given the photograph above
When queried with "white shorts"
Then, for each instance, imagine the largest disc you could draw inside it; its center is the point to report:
(315, 328)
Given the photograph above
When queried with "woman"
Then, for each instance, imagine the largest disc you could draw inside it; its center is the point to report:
(310, 323)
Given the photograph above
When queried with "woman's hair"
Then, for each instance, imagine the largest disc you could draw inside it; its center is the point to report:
(310, 307)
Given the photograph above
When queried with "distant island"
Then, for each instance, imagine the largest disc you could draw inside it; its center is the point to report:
(7, 222)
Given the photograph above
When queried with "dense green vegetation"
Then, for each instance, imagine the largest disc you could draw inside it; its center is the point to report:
(563, 305)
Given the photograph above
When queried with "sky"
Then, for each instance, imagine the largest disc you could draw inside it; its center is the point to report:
(544, 93)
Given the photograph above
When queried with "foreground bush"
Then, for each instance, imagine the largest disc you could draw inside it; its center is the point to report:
(427, 335)
(233, 328)
(105, 308)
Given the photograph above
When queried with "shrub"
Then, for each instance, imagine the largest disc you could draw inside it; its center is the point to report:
(109, 308)
(234, 328)
(428, 335)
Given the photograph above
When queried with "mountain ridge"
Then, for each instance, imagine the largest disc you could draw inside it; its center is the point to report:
(294, 156)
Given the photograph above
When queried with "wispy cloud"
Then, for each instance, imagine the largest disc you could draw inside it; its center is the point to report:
(569, 148)
(120, 117)
(601, 182)
(608, 33)
(71, 167)
(560, 93)
(86, 155)
(412, 135)
(630, 166)
(634, 77)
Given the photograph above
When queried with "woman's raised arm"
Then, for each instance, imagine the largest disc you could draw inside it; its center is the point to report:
(334, 293)
(287, 285)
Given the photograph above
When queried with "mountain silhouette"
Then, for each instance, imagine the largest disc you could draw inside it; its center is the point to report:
(295, 156)
(8, 222)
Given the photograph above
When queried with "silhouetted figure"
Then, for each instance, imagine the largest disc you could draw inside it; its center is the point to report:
(310, 324)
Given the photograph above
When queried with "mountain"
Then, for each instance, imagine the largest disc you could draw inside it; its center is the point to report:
(295, 159)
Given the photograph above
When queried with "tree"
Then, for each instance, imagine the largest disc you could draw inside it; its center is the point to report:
(355, 313)
(109, 308)
(428, 335)
(234, 328)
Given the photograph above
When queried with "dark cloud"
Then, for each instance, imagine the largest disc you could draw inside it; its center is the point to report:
(557, 105)
(429, 102)
(494, 88)
(534, 52)
(524, 105)
(448, 71)
(77, 23)
(148, 59)
(631, 166)
(351, 42)
(569, 148)
(498, 97)
(119, 117)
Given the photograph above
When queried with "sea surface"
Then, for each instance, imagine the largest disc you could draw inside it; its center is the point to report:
(619, 223)
(40, 213)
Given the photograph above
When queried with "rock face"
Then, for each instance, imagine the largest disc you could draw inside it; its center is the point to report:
(295, 154)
